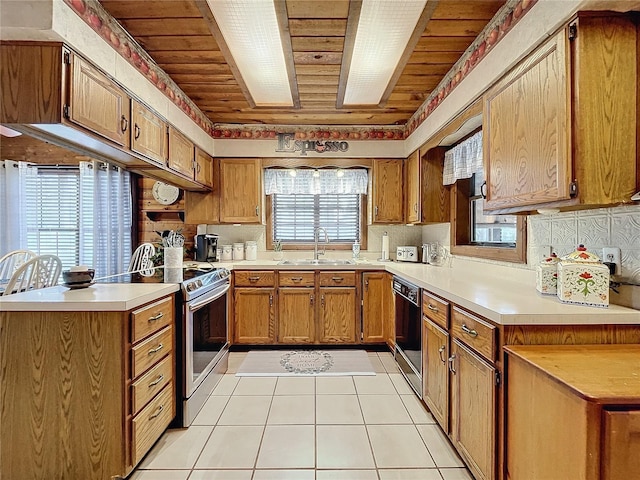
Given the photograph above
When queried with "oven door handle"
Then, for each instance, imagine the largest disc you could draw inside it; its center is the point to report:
(209, 298)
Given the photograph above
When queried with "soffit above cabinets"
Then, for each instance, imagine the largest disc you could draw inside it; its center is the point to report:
(178, 36)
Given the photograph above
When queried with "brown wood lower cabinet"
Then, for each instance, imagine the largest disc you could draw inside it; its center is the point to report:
(296, 315)
(71, 405)
(435, 372)
(337, 315)
(377, 317)
(254, 315)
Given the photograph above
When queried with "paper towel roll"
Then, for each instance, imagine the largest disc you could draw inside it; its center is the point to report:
(385, 246)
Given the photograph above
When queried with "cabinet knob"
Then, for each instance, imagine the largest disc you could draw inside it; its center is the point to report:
(124, 123)
(366, 285)
(322, 300)
(376, 211)
(451, 364)
(136, 130)
(311, 299)
(415, 207)
(440, 352)
(469, 331)
(433, 308)
(257, 210)
(271, 300)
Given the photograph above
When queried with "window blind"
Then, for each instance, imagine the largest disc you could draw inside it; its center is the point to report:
(295, 217)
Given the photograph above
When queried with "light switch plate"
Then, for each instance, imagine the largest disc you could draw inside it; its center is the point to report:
(612, 255)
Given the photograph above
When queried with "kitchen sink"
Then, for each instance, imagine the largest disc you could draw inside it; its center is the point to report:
(321, 261)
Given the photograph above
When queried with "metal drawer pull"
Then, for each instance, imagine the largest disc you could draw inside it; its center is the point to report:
(451, 367)
(157, 380)
(158, 412)
(136, 129)
(124, 123)
(337, 279)
(271, 300)
(155, 350)
(254, 279)
(440, 352)
(468, 331)
(296, 279)
(432, 307)
(311, 299)
(156, 317)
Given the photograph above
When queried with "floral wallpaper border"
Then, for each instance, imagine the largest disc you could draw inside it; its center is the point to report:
(94, 15)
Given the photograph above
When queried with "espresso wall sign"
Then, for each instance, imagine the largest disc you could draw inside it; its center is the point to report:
(288, 143)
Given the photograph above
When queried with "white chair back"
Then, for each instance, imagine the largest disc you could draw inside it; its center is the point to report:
(41, 271)
(141, 259)
(11, 261)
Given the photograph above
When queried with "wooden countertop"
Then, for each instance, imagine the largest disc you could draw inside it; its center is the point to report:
(605, 374)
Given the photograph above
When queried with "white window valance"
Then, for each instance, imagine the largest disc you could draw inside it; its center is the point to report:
(463, 160)
(315, 182)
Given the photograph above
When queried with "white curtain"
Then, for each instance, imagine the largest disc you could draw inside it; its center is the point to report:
(14, 177)
(105, 218)
(463, 160)
(315, 182)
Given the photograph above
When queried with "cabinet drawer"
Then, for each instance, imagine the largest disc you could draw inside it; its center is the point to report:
(149, 424)
(255, 278)
(337, 279)
(478, 334)
(146, 353)
(436, 309)
(147, 386)
(151, 318)
(296, 279)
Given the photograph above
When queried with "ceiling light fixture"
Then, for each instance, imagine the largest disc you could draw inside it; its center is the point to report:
(379, 40)
(254, 37)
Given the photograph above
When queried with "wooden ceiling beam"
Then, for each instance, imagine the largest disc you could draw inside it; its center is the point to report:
(125, 9)
(324, 9)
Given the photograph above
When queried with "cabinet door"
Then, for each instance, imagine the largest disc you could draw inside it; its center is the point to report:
(180, 153)
(204, 207)
(296, 315)
(240, 190)
(473, 405)
(98, 104)
(621, 444)
(527, 131)
(374, 318)
(435, 373)
(412, 202)
(254, 315)
(149, 133)
(433, 196)
(337, 315)
(386, 192)
(204, 168)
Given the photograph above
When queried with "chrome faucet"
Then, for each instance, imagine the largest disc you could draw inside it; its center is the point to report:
(316, 238)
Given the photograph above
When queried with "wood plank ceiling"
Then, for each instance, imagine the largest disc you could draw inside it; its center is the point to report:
(178, 38)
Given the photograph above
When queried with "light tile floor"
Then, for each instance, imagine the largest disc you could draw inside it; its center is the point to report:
(306, 428)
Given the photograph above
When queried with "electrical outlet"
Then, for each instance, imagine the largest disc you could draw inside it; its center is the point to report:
(612, 255)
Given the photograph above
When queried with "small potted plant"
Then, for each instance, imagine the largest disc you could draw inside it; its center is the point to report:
(277, 250)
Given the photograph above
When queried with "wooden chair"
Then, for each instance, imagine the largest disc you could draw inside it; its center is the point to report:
(11, 261)
(41, 271)
(141, 259)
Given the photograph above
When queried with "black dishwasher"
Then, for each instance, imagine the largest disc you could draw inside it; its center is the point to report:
(408, 318)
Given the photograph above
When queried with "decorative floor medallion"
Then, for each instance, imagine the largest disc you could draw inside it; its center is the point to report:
(306, 362)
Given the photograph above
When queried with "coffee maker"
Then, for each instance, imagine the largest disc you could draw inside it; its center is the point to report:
(206, 248)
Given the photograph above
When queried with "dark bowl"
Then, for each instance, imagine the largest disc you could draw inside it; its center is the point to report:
(74, 278)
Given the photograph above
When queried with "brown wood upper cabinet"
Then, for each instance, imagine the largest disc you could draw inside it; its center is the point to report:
(385, 187)
(149, 133)
(560, 128)
(204, 168)
(240, 190)
(181, 151)
(426, 199)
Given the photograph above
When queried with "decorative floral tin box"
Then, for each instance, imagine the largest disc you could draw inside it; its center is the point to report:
(583, 279)
(547, 275)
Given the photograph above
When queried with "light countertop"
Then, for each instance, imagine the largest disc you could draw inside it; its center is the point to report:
(105, 297)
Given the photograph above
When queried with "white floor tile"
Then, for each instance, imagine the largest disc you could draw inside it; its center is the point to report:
(376, 363)
(409, 474)
(388, 362)
(221, 475)
(255, 386)
(400, 383)
(160, 475)
(292, 410)
(335, 385)
(416, 409)
(177, 449)
(455, 474)
(343, 446)
(235, 360)
(338, 410)
(296, 386)
(211, 410)
(287, 446)
(226, 385)
(439, 446)
(246, 411)
(231, 447)
(346, 475)
(383, 409)
(378, 385)
(398, 446)
(284, 475)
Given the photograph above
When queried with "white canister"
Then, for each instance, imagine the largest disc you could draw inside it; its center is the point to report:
(238, 251)
(227, 253)
(251, 250)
